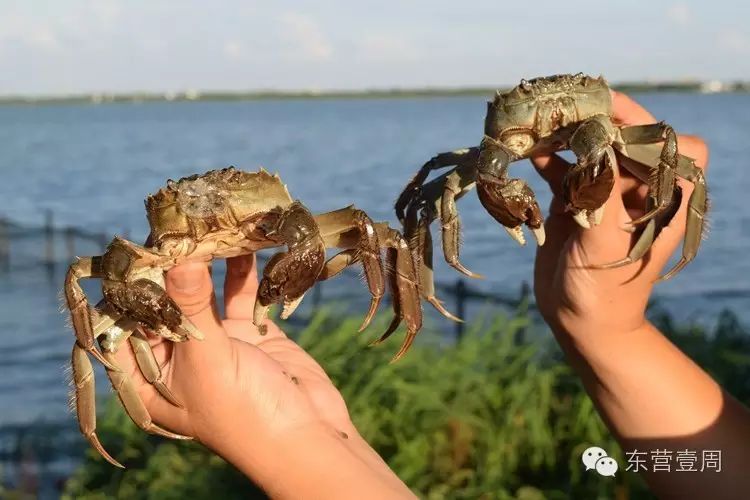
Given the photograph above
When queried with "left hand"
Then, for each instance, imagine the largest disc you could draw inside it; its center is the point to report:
(261, 402)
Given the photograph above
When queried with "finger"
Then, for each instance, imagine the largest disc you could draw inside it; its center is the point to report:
(552, 168)
(628, 112)
(240, 287)
(190, 286)
(694, 147)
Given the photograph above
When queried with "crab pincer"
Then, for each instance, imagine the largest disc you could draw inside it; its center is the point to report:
(288, 275)
(511, 202)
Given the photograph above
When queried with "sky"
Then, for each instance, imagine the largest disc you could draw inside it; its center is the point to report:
(52, 47)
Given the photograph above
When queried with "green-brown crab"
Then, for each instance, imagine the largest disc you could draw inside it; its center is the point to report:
(220, 214)
(542, 116)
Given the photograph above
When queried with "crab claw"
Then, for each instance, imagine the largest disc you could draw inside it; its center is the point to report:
(587, 187)
(512, 203)
(287, 276)
(290, 306)
(588, 218)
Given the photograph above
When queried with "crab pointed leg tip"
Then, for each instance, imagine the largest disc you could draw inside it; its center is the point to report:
(442, 310)
(463, 270)
(540, 235)
(613, 265)
(671, 273)
(167, 394)
(107, 364)
(97, 445)
(582, 218)
(191, 329)
(400, 354)
(172, 435)
(374, 303)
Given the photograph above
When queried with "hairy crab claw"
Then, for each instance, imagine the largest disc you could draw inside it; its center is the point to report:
(512, 203)
(517, 234)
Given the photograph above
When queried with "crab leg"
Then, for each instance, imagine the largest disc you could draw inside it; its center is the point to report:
(641, 246)
(113, 330)
(419, 238)
(80, 313)
(133, 404)
(441, 160)
(662, 178)
(642, 164)
(365, 249)
(451, 224)
(420, 214)
(402, 278)
(697, 208)
(344, 229)
(144, 357)
(85, 400)
(511, 202)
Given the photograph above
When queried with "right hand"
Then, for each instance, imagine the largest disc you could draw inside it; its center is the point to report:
(576, 299)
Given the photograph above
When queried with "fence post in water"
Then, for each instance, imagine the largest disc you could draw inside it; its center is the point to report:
(460, 292)
(70, 243)
(523, 308)
(317, 295)
(4, 245)
(49, 245)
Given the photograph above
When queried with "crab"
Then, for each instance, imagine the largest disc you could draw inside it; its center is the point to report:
(542, 116)
(220, 214)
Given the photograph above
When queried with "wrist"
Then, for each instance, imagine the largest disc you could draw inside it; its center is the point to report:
(314, 461)
(584, 327)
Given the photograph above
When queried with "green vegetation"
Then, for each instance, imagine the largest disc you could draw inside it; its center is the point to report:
(498, 416)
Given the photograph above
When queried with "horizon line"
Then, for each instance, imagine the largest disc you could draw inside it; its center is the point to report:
(191, 94)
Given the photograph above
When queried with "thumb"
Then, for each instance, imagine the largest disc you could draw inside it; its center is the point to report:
(192, 289)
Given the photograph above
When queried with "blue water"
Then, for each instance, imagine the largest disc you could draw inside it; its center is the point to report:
(92, 166)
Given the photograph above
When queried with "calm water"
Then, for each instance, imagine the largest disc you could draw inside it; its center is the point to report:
(92, 165)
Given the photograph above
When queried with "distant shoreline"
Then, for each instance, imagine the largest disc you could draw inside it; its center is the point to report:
(261, 95)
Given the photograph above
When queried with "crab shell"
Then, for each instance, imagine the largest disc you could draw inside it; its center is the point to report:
(539, 115)
(200, 214)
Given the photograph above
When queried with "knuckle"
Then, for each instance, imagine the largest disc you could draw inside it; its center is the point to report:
(695, 147)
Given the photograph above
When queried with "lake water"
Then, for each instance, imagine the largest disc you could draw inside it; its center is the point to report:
(92, 166)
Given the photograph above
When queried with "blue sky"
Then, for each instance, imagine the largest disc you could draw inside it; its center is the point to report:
(55, 47)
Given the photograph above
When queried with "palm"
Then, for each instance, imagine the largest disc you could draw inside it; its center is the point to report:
(566, 286)
(268, 379)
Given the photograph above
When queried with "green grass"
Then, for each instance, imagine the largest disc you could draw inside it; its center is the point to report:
(496, 416)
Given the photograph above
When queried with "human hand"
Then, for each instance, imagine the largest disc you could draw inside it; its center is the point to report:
(574, 297)
(260, 401)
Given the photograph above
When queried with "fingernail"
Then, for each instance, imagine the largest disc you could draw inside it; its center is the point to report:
(241, 265)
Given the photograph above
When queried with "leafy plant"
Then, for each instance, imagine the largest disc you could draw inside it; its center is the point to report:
(500, 415)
